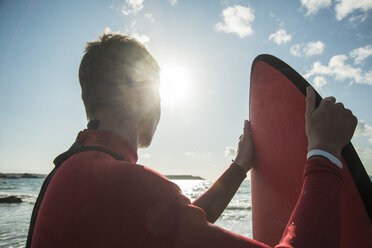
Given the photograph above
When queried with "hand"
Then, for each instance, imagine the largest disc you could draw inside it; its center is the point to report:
(330, 126)
(245, 155)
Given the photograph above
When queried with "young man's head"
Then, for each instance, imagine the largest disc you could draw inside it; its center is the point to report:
(120, 81)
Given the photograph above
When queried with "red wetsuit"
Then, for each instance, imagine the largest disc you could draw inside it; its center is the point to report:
(94, 200)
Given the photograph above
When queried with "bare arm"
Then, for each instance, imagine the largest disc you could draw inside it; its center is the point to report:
(215, 200)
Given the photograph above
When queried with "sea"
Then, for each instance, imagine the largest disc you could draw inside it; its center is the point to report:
(15, 217)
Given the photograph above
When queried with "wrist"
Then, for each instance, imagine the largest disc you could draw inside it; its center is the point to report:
(245, 166)
(324, 154)
(332, 149)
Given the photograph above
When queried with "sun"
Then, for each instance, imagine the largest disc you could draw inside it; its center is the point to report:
(175, 83)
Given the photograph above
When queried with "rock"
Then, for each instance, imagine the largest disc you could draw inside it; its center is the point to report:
(10, 199)
(28, 175)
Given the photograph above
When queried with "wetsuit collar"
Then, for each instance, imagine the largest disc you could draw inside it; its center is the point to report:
(109, 140)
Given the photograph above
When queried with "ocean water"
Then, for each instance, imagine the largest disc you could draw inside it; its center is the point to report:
(15, 217)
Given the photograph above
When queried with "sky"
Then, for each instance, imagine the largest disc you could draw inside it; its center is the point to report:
(211, 44)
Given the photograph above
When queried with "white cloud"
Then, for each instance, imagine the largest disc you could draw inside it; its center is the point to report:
(356, 19)
(173, 2)
(237, 19)
(345, 7)
(107, 30)
(365, 154)
(132, 30)
(295, 50)
(310, 49)
(314, 48)
(230, 152)
(280, 37)
(319, 82)
(141, 37)
(363, 129)
(313, 6)
(342, 8)
(361, 53)
(132, 7)
(340, 70)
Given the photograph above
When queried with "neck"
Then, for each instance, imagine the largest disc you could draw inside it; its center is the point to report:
(124, 129)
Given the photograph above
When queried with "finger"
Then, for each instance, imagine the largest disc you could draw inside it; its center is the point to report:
(310, 101)
(330, 98)
(340, 105)
(348, 111)
(247, 128)
(241, 136)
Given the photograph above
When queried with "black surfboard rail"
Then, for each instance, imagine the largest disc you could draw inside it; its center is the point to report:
(353, 162)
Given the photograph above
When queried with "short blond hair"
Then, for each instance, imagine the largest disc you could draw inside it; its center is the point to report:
(114, 64)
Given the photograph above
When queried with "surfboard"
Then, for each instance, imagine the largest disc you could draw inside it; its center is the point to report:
(277, 108)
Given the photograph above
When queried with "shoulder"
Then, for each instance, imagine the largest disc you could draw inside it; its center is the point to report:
(153, 180)
(104, 172)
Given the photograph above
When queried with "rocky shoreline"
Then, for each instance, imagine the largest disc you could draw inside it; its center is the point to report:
(20, 175)
(183, 177)
(35, 175)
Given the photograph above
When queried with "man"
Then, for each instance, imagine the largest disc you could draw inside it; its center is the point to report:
(100, 197)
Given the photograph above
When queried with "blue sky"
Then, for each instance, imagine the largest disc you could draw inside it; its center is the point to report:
(213, 43)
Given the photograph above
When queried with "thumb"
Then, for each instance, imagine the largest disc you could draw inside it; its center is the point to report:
(247, 128)
(310, 101)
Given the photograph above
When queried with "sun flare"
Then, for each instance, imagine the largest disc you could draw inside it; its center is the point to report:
(174, 84)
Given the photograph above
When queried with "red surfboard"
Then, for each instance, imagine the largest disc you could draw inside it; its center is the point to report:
(277, 109)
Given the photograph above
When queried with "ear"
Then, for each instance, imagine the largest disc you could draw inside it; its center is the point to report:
(144, 140)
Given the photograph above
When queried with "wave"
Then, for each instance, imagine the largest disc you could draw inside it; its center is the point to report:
(239, 208)
(8, 187)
